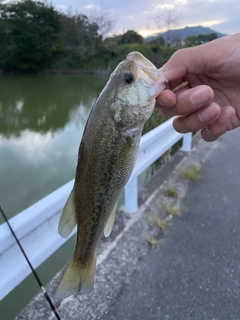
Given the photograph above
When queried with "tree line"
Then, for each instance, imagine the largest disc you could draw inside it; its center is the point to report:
(195, 40)
(34, 36)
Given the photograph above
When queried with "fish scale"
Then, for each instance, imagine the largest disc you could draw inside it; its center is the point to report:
(106, 158)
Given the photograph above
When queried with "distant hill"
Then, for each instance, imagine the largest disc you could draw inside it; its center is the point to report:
(182, 34)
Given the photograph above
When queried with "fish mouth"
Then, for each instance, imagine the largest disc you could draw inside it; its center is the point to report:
(140, 60)
(148, 71)
(144, 64)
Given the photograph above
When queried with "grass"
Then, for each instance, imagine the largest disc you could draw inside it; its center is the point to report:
(171, 192)
(173, 210)
(161, 224)
(192, 173)
(154, 242)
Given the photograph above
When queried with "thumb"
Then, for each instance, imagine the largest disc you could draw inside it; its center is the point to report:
(185, 61)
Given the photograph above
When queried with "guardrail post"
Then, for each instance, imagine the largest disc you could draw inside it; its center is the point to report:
(131, 196)
(187, 142)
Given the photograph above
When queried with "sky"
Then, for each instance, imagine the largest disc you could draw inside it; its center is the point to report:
(141, 15)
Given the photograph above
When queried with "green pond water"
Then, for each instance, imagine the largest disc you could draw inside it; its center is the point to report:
(41, 124)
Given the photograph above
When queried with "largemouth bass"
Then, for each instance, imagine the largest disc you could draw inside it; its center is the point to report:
(106, 158)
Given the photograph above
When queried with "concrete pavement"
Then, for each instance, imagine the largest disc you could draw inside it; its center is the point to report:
(195, 274)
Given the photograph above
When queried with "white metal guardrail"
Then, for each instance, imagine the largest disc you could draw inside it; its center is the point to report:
(36, 227)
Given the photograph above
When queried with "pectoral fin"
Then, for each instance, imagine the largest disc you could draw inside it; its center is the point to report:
(108, 227)
(67, 221)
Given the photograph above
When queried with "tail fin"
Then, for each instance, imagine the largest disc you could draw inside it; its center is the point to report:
(77, 279)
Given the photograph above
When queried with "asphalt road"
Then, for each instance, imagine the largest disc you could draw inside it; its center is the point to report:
(196, 273)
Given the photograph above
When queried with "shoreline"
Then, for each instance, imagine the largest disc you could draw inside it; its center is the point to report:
(101, 73)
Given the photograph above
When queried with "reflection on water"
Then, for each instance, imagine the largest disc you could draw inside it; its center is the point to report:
(43, 103)
(41, 124)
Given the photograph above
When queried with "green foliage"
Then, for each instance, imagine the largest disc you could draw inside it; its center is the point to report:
(131, 36)
(158, 41)
(193, 173)
(30, 35)
(161, 224)
(200, 39)
(80, 39)
(77, 31)
(155, 120)
(34, 36)
(154, 242)
(21, 108)
(171, 209)
(170, 191)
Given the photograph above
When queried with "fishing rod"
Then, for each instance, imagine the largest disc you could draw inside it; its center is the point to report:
(31, 267)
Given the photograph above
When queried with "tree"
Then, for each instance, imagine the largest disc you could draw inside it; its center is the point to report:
(30, 35)
(167, 22)
(103, 18)
(207, 37)
(131, 36)
(79, 34)
(158, 41)
(195, 40)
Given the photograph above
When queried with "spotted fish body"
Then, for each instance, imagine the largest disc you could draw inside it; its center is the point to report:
(107, 155)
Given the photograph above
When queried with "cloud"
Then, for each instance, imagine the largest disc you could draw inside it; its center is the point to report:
(219, 13)
(91, 7)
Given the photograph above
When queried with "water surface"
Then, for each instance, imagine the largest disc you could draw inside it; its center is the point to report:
(41, 124)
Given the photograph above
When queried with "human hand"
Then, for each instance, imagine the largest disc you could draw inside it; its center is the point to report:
(210, 100)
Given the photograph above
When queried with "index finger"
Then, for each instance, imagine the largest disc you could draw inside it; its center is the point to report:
(185, 61)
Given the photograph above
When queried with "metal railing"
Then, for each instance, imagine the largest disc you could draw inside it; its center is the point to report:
(39, 222)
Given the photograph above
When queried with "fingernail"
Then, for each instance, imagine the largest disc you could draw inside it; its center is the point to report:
(205, 131)
(198, 97)
(208, 114)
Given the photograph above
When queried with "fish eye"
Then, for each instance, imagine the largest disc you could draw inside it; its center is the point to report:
(128, 77)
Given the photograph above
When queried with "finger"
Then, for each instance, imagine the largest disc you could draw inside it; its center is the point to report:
(198, 119)
(219, 126)
(186, 61)
(234, 123)
(187, 99)
(166, 98)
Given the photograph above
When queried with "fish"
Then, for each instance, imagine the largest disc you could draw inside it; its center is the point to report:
(106, 158)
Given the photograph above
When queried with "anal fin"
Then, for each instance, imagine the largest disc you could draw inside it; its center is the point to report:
(67, 221)
(109, 224)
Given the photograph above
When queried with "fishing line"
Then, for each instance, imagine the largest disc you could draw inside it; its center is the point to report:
(31, 267)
